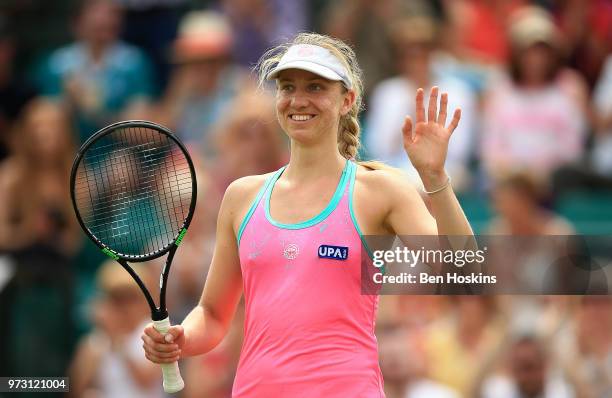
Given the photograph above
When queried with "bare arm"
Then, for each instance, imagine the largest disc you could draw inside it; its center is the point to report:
(208, 322)
(427, 148)
(445, 208)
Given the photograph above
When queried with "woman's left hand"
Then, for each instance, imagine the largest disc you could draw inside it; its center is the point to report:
(427, 146)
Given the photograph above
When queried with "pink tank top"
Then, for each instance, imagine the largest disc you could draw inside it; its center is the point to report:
(309, 332)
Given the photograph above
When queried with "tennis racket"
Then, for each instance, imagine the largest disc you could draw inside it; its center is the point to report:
(133, 188)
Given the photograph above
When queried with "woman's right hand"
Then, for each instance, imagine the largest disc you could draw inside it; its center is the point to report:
(163, 348)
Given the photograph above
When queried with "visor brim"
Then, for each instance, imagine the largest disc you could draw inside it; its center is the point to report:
(312, 67)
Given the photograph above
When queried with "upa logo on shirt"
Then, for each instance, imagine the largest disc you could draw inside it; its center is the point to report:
(333, 252)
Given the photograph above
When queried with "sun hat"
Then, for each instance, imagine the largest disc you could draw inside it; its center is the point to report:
(202, 35)
(315, 59)
(414, 30)
(531, 25)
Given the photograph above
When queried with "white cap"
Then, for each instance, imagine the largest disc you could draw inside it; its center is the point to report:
(315, 59)
(530, 25)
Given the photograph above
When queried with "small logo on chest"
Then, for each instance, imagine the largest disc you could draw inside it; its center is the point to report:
(333, 252)
(291, 251)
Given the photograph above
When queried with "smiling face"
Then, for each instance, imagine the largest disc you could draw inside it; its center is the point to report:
(309, 106)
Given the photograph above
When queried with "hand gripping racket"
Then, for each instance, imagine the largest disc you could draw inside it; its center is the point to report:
(133, 188)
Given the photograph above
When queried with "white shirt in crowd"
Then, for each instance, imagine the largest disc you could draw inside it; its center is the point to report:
(429, 389)
(531, 129)
(114, 378)
(503, 387)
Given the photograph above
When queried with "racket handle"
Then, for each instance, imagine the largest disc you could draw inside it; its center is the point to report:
(173, 381)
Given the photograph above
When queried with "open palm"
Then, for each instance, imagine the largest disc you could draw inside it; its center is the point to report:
(427, 145)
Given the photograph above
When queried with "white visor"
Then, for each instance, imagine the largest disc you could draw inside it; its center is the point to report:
(315, 59)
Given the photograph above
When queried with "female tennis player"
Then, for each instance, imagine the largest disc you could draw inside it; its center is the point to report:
(291, 240)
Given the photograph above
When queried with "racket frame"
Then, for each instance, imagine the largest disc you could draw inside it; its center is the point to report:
(160, 312)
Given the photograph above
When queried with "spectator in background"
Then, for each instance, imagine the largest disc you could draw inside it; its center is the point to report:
(535, 117)
(205, 80)
(14, 93)
(98, 76)
(249, 140)
(586, 347)
(151, 25)
(596, 171)
(35, 204)
(109, 362)
(363, 24)
(518, 199)
(404, 366)
(292, 17)
(38, 231)
(587, 27)
(478, 29)
(530, 375)
(527, 262)
(260, 24)
(602, 101)
(416, 42)
(460, 348)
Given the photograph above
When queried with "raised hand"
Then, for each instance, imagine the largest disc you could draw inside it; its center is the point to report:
(427, 145)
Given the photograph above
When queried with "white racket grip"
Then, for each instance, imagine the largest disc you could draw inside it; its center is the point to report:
(173, 382)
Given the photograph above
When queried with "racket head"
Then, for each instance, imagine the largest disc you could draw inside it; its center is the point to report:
(134, 190)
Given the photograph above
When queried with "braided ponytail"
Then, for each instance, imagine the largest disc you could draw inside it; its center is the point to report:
(348, 136)
(349, 130)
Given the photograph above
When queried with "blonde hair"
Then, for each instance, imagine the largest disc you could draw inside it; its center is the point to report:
(349, 131)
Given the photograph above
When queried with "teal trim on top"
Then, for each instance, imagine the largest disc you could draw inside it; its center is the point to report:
(249, 214)
(353, 174)
(317, 219)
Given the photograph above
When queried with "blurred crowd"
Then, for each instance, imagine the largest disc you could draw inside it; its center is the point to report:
(531, 156)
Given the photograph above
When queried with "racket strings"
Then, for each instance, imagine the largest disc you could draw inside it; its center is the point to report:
(133, 190)
(183, 183)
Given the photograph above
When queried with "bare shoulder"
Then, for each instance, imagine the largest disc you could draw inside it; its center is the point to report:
(245, 186)
(384, 182)
(239, 195)
(377, 193)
